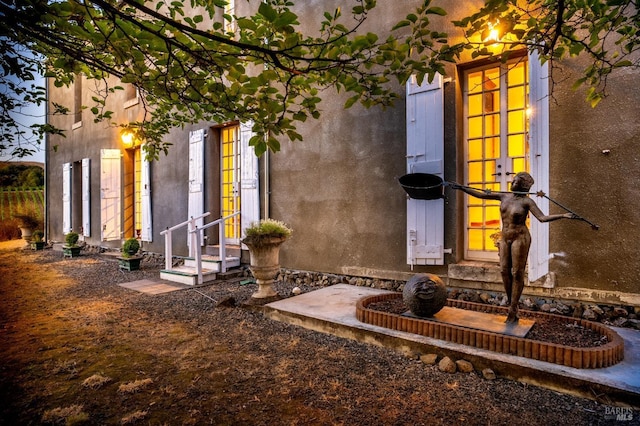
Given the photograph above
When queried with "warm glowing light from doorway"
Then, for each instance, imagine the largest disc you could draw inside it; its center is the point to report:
(127, 139)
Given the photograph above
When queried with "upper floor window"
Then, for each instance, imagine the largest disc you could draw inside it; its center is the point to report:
(131, 95)
(77, 99)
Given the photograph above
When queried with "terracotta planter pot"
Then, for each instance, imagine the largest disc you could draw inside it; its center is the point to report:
(265, 266)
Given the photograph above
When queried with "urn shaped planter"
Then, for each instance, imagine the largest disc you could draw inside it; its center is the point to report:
(26, 233)
(265, 265)
(263, 240)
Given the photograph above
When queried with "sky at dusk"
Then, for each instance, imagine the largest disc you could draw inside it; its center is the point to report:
(32, 114)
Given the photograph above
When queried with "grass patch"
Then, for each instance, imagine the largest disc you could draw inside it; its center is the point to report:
(71, 415)
(96, 381)
(135, 386)
(134, 417)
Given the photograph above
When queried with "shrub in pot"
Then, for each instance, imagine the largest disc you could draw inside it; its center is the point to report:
(71, 248)
(129, 259)
(37, 242)
(130, 247)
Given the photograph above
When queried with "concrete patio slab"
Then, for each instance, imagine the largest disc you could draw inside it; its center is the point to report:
(333, 310)
(153, 287)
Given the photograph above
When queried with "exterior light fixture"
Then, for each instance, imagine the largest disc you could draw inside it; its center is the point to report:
(492, 34)
(127, 138)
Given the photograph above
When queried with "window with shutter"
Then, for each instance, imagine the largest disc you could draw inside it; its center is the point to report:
(506, 131)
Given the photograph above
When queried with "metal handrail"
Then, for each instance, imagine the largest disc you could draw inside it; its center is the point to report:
(222, 240)
(186, 222)
(168, 251)
(195, 239)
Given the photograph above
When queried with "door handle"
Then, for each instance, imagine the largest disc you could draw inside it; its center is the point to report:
(497, 174)
(511, 173)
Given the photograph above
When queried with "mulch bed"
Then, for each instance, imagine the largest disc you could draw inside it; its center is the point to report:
(544, 330)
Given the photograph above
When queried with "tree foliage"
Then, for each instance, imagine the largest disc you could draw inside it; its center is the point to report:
(193, 62)
(607, 32)
(18, 175)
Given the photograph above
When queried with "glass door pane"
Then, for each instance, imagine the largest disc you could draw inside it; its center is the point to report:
(230, 161)
(496, 147)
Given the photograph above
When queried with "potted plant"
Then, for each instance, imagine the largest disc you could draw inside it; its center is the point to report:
(37, 242)
(27, 222)
(71, 247)
(130, 259)
(263, 239)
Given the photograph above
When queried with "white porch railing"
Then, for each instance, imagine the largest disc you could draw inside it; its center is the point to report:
(195, 247)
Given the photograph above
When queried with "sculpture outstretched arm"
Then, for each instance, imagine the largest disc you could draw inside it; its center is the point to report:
(487, 194)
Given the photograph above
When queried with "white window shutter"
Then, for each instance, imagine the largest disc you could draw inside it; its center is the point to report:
(425, 154)
(147, 228)
(539, 154)
(86, 197)
(66, 198)
(249, 191)
(196, 177)
(110, 191)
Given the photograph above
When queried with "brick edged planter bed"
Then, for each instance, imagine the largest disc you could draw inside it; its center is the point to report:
(593, 357)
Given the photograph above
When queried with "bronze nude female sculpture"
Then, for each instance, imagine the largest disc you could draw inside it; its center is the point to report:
(514, 243)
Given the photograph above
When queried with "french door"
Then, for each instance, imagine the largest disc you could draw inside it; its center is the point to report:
(230, 181)
(496, 102)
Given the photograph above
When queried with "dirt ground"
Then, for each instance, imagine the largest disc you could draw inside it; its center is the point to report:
(76, 348)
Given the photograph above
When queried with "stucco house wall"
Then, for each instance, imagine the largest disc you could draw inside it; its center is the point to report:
(339, 192)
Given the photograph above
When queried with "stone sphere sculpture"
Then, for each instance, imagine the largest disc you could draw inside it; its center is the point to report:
(425, 295)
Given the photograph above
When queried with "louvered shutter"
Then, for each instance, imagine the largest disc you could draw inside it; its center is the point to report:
(110, 194)
(66, 198)
(86, 197)
(425, 154)
(249, 192)
(539, 149)
(145, 198)
(196, 177)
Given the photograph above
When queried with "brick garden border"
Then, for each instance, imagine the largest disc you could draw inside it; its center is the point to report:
(594, 357)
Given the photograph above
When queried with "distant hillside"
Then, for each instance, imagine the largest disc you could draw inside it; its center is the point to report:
(21, 174)
(4, 164)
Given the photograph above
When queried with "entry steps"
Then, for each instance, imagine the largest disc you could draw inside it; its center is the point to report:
(188, 274)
